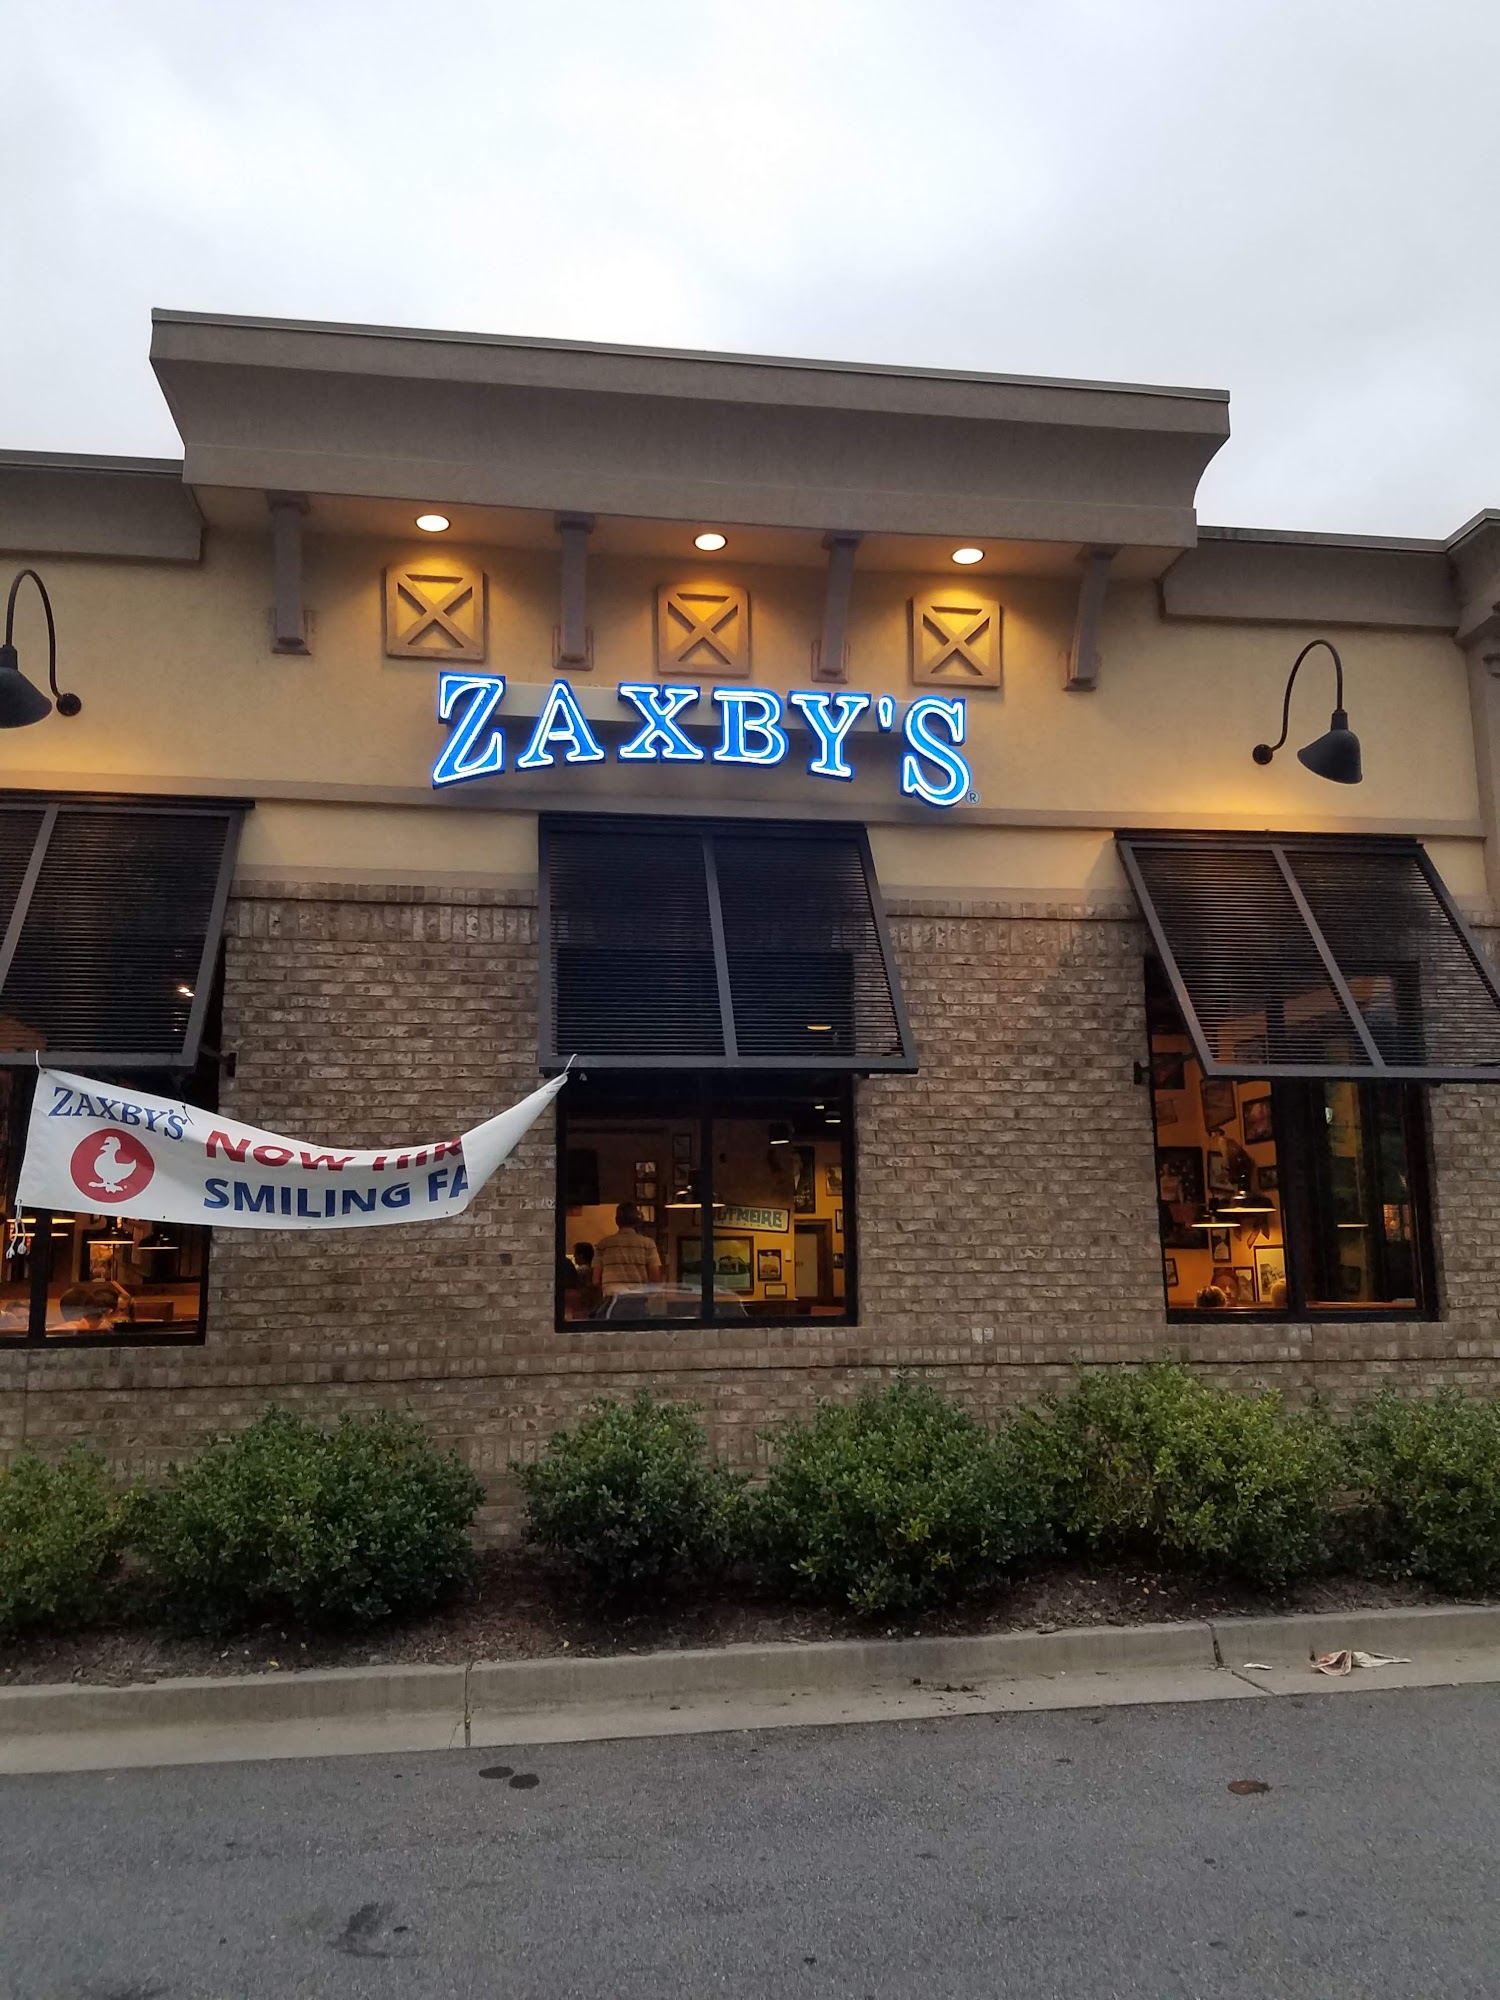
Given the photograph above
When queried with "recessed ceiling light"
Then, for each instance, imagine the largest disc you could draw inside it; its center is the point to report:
(433, 524)
(186, 992)
(710, 539)
(968, 555)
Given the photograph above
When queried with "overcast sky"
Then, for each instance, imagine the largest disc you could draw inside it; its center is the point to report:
(1294, 201)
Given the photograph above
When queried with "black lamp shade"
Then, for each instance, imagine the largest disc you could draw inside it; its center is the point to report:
(20, 702)
(1335, 755)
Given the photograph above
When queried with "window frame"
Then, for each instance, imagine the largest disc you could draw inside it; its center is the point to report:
(1293, 1100)
(712, 1084)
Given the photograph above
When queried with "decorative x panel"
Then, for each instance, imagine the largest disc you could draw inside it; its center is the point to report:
(437, 612)
(955, 640)
(702, 628)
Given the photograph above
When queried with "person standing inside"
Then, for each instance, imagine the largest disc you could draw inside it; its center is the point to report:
(627, 1260)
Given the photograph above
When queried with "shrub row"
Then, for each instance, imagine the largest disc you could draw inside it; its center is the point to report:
(898, 1501)
(888, 1505)
(287, 1519)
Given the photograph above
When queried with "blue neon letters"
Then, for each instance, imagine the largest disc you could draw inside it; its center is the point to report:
(751, 732)
(561, 721)
(470, 752)
(750, 713)
(661, 741)
(829, 730)
(955, 778)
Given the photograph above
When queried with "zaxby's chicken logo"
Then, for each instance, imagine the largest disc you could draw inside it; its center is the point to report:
(109, 1166)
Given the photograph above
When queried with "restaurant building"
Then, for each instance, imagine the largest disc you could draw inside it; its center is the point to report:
(852, 770)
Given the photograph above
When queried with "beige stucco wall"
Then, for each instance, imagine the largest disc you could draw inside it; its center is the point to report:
(182, 693)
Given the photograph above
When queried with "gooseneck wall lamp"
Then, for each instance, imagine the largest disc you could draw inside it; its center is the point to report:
(20, 702)
(1335, 754)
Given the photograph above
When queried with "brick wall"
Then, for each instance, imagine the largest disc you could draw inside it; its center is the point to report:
(1006, 1202)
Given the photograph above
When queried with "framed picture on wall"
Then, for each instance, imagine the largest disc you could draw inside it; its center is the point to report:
(804, 1180)
(645, 1190)
(1219, 1179)
(838, 1260)
(1256, 1113)
(1270, 1271)
(648, 1211)
(1179, 1176)
(775, 1291)
(1243, 1277)
(835, 1180)
(1220, 1246)
(1219, 1103)
(733, 1262)
(645, 1170)
(838, 1222)
(767, 1265)
(1169, 1267)
(682, 1148)
(1267, 1177)
(1167, 1112)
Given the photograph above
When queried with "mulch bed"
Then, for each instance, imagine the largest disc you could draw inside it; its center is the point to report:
(522, 1608)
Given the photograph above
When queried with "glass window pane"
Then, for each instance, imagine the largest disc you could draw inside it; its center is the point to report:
(1364, 1230)
(780, 1220)
(629, 1194)
(781, 1229)
(1218, 1181)
(111, 1274)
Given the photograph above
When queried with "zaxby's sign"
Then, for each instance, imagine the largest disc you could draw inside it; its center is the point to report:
(749, 726)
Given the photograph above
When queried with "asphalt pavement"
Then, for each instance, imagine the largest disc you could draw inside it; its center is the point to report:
(1091, 1854)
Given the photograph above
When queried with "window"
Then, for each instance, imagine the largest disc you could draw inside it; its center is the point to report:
(652, 1163)
(93, 1279)
(1285, 1197)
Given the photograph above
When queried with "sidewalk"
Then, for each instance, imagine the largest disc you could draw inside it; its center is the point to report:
(346, 1711)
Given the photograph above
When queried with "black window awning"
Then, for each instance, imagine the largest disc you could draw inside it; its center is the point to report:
(110, 921)
(1317, 956)
(705, 945)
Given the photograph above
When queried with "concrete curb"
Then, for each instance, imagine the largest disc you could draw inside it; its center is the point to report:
(833, 1665)
(320, 1694)
(454, 1696)
(1301, 1636)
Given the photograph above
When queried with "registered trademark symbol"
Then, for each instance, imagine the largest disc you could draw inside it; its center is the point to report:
(973, 798)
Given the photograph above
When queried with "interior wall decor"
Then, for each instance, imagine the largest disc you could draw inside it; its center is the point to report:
(436, 611)
(955, 639)
(702, 628)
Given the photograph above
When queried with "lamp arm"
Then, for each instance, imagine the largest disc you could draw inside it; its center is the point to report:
(67, 704)
(1286, 703)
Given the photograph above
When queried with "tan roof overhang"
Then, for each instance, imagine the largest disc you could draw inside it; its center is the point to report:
(564, 426)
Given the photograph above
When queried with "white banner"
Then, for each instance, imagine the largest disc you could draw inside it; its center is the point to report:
(94, 1148)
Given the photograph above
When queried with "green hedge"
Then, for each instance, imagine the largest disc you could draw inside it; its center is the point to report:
(289, 1519)
(62, 1527)
(631, 1500)
(887, 1506)
(895, 1503)
(1163, 1468)
(1430, 1475)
